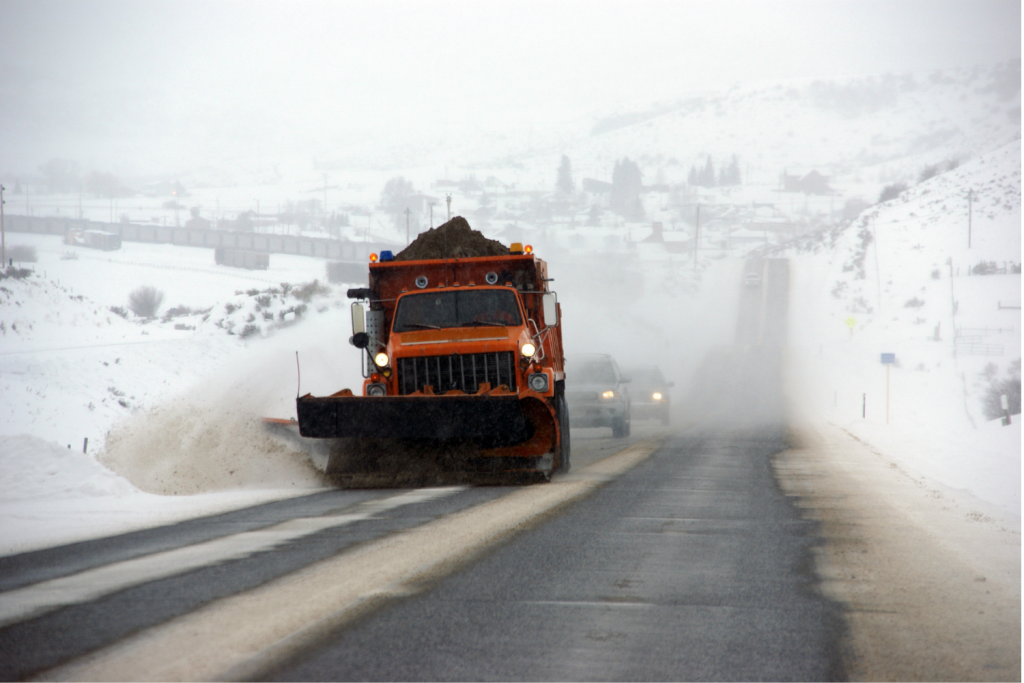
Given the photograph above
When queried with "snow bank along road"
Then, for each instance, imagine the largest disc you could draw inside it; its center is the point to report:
(664, 556)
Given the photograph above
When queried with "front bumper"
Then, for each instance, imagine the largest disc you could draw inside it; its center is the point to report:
(595, 414)
(643, 411)
(490, 420)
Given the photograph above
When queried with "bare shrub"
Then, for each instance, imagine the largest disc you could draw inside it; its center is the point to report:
(1008, 386)
(119, 310)
(22, 253)
(145, 301)
(985, 268)
(16, 273)
(928, 172)
(309, 290)
(891, 192)
(177, 311)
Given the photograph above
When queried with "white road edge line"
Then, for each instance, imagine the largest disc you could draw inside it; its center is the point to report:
(30, 601)
(240, 636)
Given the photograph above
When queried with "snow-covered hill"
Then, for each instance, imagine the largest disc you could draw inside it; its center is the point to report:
(863, 132)
(902, 279)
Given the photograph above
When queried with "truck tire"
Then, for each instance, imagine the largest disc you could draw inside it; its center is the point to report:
(564, 445)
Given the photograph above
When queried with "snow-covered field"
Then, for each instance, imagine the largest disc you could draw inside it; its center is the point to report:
(172, 403)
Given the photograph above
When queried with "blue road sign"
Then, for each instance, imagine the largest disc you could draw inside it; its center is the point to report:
(889, 358)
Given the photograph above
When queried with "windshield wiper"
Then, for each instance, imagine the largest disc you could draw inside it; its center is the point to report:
(488, 323)
(422, 326)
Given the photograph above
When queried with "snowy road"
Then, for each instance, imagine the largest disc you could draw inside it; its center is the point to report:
(666, 556)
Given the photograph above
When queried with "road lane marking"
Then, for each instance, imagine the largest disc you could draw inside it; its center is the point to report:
(240, 636)
(31, 601)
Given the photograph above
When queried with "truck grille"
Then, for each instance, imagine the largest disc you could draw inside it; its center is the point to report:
(465, 372)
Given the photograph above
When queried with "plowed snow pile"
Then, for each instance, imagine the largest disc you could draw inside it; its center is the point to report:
(205, 442)
(454, 239)
(212, 438)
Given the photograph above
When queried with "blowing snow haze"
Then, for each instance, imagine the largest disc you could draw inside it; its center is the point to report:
(230, 92)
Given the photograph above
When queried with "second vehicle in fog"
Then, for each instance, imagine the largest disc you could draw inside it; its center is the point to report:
(596, 391)
(649, 394)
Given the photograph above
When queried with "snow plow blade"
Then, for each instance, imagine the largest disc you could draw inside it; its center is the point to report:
(492, 421)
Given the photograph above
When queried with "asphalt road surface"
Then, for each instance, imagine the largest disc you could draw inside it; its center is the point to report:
(670, 555)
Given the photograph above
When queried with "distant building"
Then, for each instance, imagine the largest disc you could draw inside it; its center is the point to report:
(811, 183)
(594, 186)
(656, 234)
(197, 222)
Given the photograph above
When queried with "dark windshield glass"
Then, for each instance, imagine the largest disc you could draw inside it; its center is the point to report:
(595, 372)
(457, 308)
(646, 376)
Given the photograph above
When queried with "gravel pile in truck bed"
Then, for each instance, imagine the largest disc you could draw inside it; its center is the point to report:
(454, 239)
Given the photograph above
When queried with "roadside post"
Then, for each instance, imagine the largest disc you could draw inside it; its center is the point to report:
(887, 360)
(1004, 402)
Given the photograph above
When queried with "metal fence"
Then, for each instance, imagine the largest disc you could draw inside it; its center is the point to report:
(342, 250)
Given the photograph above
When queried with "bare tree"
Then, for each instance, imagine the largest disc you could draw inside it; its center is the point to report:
(145, 301)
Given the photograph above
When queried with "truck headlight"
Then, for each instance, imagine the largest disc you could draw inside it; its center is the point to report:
(381, 360)
(528, 350)
(539, 382)
(608, 394)
(376, 390)
(656, 395)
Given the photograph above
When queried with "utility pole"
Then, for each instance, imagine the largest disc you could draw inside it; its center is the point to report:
(970, 198)
(432, 215)
(3, 232)
(449, 200)
(326, 177)
(407, 212)
(696, 239)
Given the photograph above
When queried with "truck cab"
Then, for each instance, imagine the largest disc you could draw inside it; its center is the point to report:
(455, 349)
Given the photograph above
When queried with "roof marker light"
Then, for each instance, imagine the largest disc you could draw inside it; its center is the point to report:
(386, 255)
(373, 258)
(528, 249)
(516, 248)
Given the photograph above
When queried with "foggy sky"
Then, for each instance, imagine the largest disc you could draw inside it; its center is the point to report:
(149, 85)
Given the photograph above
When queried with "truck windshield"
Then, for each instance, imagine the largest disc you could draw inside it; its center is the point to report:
(458, 308)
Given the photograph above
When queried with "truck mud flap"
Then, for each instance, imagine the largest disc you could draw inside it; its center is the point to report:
(492, 421)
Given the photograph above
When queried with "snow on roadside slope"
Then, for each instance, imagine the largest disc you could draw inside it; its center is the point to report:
(52, 495)
(71, 369)
(889, 271)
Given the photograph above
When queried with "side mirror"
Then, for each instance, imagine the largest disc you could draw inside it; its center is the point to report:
(550, 305)
(358, 319)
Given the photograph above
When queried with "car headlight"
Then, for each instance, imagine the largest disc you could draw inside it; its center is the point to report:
(656, 395)
(608, 394)
(528, 350)
(539, 382)
(381, 360)
(376, 390)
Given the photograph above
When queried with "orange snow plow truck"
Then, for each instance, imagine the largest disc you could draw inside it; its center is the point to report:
(465, 350)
